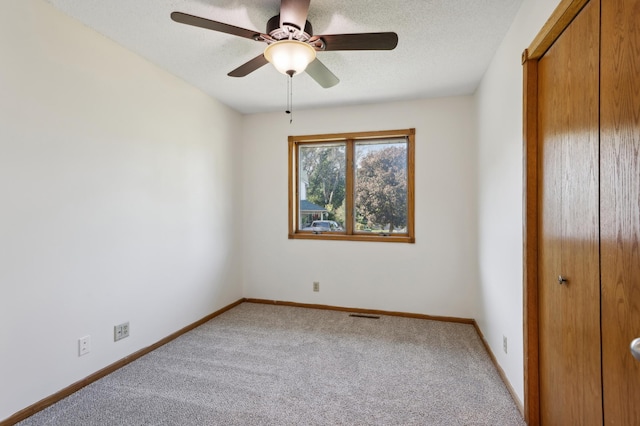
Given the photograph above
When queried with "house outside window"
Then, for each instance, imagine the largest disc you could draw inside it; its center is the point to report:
(352, 186)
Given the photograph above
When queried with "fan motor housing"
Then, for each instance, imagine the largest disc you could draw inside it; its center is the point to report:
(278, 33)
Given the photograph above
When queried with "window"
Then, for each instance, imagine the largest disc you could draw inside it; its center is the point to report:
(352, 186)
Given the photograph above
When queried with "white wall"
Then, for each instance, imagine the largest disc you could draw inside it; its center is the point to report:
(119, 189)
(436, 275)
(499, 105)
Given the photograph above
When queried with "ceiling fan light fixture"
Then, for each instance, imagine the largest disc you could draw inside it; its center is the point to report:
(290, 56)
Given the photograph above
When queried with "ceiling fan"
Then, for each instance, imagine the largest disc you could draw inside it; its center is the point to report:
(291, 45)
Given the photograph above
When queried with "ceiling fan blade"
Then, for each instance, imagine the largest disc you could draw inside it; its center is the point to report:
(196, 21)
(321, 74)
(363, 41)
(294, 12)
(249, 67)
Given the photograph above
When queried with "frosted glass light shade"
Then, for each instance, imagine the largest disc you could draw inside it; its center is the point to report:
(290, 55)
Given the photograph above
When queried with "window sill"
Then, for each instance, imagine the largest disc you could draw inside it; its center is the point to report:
(355, 237)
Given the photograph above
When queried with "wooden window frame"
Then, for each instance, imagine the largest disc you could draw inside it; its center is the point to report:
(350, 139)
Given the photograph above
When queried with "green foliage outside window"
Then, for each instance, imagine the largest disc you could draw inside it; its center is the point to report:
(381, 188)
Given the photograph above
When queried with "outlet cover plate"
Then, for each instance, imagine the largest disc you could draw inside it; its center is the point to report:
(84, 345)
(120, 331)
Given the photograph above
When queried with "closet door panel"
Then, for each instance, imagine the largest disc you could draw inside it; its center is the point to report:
(569, 316)
(620, 208)
(551, 322)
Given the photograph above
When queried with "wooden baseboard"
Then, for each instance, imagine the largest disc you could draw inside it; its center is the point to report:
(363, 311)
(503, 376)
(58, 396)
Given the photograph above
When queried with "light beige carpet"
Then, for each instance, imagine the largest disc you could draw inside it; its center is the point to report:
(275, 365)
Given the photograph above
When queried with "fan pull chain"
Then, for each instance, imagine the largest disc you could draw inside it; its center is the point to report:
(288, 111)
(290, 96)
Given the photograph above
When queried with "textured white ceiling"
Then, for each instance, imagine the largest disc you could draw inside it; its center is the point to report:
(443, 50)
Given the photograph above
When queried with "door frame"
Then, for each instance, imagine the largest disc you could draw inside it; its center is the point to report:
(560, 19)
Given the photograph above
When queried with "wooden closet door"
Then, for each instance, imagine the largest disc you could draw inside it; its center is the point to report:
(620, 208)
(569, 316)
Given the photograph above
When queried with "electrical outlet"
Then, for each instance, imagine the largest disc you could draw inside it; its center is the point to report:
(504, 343)
(120, 331)
(316, 286)
(84, 345)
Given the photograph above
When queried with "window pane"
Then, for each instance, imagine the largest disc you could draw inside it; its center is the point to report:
(381, 186)
(322, 187)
